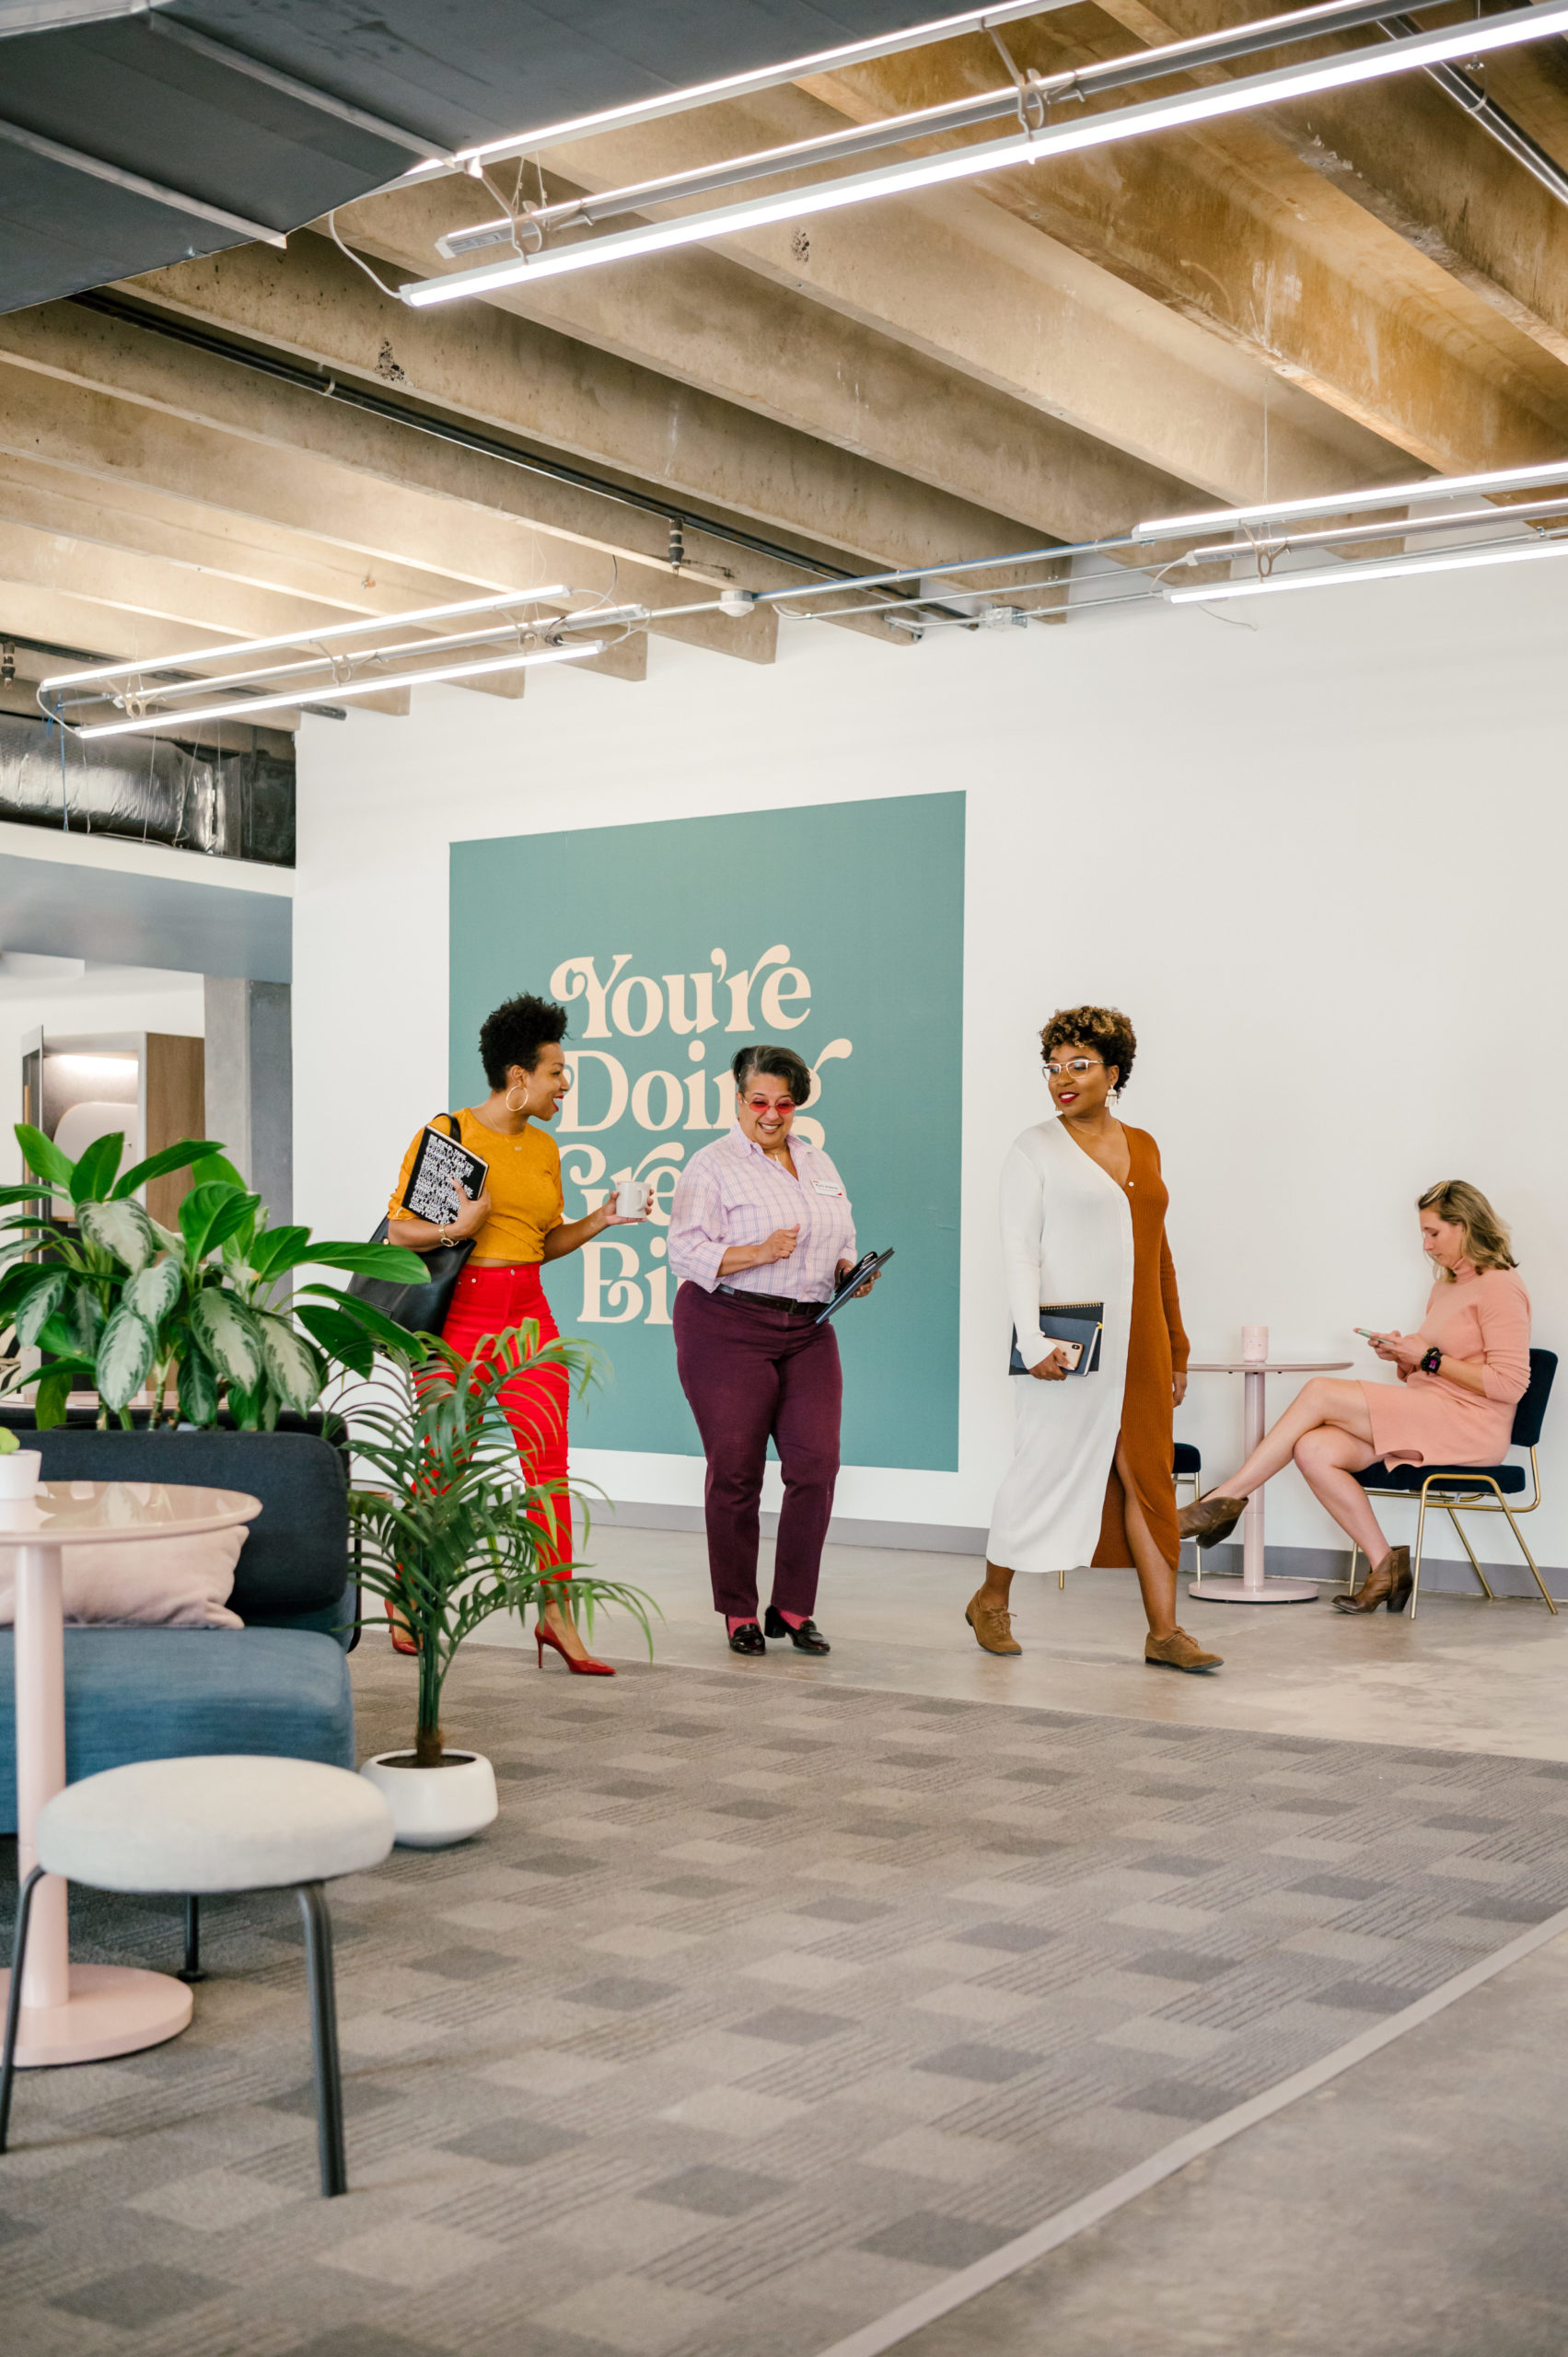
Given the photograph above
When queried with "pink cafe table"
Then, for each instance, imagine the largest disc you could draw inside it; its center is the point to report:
(81, 2012)
(1252, 1588)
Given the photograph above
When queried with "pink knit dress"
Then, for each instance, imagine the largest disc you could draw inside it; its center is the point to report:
(1426, 1420)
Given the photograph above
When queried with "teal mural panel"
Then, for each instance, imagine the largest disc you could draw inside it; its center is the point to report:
(836, 930)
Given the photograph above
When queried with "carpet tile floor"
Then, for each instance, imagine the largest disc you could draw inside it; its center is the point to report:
(767, 2001)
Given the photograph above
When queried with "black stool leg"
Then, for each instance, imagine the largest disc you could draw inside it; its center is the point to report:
(324, 2032)
(190, 1970)
(13, 2003)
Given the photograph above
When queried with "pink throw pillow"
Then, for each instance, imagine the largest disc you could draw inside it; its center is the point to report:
(161, 1583)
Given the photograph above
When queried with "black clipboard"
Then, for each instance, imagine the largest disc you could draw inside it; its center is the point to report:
(862, 1269)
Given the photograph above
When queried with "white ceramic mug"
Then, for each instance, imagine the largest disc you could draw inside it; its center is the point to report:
(20, 1470)
(1254, 1345)
(631, 1197)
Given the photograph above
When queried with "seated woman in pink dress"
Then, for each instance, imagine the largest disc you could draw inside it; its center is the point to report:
(1461, 1375)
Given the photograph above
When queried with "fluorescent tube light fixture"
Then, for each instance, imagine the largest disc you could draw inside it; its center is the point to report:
(1376, 61)
(373, 685)
(1341, 576)
(1347, 502)
(334, 631)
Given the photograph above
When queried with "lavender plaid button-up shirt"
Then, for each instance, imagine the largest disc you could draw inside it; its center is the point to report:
(733, 1193)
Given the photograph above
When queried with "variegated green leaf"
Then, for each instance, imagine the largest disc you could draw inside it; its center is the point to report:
(153, 1291)
(198, 1389)
(123, 1229)
(40, 1305)
(80, 1315)
(125, 1358)
(293, 1366)
(229, 1337)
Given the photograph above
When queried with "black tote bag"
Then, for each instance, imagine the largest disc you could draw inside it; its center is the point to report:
(418, 1308)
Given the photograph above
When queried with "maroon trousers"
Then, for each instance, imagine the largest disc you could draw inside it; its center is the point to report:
(751, 1375)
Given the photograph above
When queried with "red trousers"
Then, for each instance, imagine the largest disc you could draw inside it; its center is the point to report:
(751, 1375)
(492, 1301)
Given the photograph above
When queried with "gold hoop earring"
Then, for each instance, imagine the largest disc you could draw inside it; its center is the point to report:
(510, 1107)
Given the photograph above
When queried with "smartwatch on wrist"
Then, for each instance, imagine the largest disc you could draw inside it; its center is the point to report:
(1431, 1363)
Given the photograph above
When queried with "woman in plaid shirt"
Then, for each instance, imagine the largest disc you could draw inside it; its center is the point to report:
(760, 1232)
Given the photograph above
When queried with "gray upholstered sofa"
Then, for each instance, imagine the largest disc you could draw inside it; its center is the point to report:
(280, 1685)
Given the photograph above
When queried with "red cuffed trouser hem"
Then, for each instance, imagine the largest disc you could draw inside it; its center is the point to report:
(493, 1301)
(751, 1375)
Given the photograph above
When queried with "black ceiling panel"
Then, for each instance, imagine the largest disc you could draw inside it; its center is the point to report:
(454, 72)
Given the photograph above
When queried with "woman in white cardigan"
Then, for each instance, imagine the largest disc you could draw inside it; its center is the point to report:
(1083, 1221)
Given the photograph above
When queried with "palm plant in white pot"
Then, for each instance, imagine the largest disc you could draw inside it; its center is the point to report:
(452, 1532)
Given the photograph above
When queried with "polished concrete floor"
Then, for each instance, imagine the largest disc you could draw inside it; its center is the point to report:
(1410, 2208)
(1465, 1676)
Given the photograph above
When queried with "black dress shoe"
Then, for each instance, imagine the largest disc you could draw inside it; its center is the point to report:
(747, 1638)
(807, 1639)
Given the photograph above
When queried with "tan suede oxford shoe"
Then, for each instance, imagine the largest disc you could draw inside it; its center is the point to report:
(993, 1627)
(1178, 1651)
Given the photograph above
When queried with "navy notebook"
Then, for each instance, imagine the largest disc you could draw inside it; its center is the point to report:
(1069, 1321)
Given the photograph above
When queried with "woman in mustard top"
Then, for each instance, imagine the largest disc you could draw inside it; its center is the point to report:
(518, 1222)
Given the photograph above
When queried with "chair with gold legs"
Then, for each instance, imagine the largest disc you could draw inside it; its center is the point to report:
(1473, 1489)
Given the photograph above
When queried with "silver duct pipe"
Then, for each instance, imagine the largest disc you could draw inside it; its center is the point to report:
(230, 806)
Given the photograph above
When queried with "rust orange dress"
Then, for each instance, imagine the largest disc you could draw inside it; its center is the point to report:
(1156, 1351)
(1072, 1232)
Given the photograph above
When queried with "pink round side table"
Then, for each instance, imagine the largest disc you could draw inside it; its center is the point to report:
(1252, 1588)
(81, 2012)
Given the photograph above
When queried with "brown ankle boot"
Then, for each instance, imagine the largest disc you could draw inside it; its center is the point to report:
(1388, 1583)
(1210, 1519)
(1178, 1651)
(992, 1625)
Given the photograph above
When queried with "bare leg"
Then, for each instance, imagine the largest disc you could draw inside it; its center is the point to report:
(557, 1615)
(1321, 1401)
(1157, 1578)
(1328, 1461)
(997, 1588)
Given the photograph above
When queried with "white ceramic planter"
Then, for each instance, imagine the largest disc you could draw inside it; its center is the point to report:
(19, 1471)
(435, 1806)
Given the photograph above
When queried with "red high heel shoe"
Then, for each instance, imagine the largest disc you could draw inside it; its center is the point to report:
(402, 1642)
(582, 1666)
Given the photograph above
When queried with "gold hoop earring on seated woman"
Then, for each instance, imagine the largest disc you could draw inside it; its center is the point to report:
(510, 1107)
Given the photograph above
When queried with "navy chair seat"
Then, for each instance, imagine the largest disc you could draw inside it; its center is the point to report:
(134, 1694)
(1471, 1480)
(1188, 1460)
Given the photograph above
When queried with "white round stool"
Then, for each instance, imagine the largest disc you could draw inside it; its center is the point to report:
(199, 1827)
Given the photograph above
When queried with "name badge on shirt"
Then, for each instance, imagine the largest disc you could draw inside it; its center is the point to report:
(826, 1187)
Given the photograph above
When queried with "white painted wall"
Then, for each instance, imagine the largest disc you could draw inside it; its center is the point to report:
(1316, 851)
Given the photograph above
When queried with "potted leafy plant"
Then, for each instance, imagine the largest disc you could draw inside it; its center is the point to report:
(120, 1302)
(451, 1535)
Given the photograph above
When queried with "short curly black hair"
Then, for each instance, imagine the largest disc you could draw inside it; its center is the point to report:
(516, 1032)
(1104, 1028)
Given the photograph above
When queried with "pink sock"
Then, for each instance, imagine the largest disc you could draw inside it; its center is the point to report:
(734, 1620)
(793, 1619)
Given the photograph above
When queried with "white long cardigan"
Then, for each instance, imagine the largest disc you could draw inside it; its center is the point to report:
(1066, 1236)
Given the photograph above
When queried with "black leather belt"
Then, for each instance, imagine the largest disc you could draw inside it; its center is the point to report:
(773, 1301)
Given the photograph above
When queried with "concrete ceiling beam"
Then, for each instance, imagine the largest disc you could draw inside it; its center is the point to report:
(332, 530)
(748, 366)
(1222, 225)
(1405, 154)
(971, 292)
(192, 423)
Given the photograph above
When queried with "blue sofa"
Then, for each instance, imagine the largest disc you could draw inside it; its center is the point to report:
(280, 1685)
